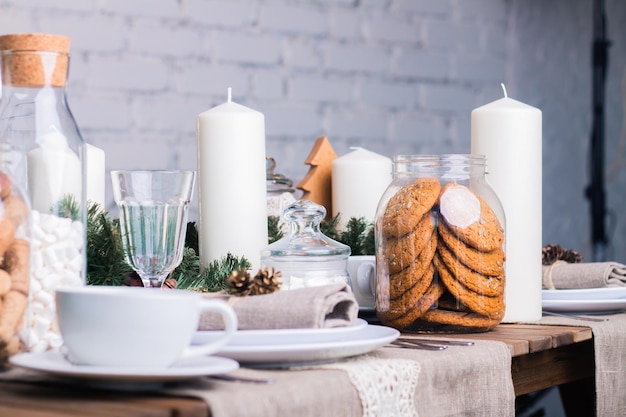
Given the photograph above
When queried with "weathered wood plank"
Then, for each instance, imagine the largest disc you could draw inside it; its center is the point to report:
(548, 368)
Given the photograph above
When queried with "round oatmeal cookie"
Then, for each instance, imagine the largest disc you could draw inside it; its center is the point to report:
(481, 284)
(462, 318)
(408, 205)
(401, 252)
(401, 305)
(486, 263)
(410, 277)
(470, 218)
(481, 304)
(416, 308)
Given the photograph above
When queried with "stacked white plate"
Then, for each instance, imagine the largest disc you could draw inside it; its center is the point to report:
(589, 300)
(283, 348)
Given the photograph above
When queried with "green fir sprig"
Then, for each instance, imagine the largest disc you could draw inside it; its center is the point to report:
(213, 278)
(105, 255)
(358, 233)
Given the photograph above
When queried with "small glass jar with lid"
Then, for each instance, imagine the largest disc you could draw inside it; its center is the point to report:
(305, 256)
(42, 149)
(280, 191)
(440, 247)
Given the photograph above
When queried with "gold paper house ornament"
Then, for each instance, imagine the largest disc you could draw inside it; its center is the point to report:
(316, 184)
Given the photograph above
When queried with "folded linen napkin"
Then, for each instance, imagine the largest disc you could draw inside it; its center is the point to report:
(563, 275)
(313, 307)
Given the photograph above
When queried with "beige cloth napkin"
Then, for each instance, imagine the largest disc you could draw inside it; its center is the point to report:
(563, 275)
(313, 307)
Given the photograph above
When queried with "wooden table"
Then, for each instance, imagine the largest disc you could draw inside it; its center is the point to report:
(543, 357)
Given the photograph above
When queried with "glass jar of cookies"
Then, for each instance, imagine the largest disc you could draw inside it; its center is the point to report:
(440, 248)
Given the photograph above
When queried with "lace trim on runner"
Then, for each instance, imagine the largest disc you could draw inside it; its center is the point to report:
(386, 387)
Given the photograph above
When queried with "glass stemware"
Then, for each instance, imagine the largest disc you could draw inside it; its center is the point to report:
(153, 219)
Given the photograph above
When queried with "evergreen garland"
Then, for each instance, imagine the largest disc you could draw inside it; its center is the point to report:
(106, 264)
(212, 279)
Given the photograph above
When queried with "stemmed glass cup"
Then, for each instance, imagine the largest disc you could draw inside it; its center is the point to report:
(153, 219)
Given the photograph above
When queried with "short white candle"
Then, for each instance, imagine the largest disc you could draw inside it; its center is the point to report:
(508, 133)
(54, 171)
(359, 179)
(95, 174)
(231, 183)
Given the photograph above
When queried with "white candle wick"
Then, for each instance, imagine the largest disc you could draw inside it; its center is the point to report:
(230, 94)
(503, 89)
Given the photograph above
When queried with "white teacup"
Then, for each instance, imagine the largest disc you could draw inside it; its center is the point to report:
(362, 273)
(133, 326)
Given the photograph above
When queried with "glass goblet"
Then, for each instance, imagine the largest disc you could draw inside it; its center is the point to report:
(153, 219)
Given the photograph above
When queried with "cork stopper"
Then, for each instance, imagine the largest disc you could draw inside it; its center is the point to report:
(34, 59)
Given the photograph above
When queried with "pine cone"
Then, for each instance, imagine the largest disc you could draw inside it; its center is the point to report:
(170, 283)
(240, 283)
(266, 281)
(571, 256)
(552, 253)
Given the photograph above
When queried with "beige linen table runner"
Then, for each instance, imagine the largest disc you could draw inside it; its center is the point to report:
(460, 381)
(609, 342)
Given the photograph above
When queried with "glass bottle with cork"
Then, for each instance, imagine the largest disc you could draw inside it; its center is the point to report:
(43, 150)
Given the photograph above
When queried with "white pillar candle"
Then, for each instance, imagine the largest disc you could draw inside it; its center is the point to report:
(54, 171)
(508, 133)
(359, 179)
(95, 174)
(231, 183)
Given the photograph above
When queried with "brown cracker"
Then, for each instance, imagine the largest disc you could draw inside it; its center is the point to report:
(416, 308)
(481, 304)
(401, 252)
(481, 284)
(485, 234)
(409, 277)
(408, 205)
(460, 318)
(486, 263)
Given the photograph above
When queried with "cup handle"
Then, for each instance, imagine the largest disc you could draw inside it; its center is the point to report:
(230, 319)
(365, 278)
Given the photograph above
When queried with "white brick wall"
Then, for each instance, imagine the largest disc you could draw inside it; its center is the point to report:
(393, 76)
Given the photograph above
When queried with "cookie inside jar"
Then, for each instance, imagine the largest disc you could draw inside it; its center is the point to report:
(440, 248)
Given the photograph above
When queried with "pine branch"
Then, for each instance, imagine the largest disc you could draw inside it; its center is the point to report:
(353, 235)
(105, 254)
(67, 207)
(213, 278)
(273, 229)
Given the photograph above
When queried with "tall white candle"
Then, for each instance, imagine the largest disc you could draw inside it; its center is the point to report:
(359, 179)
(54, 171)
(508, 133)
(231, 183)
(95, 174)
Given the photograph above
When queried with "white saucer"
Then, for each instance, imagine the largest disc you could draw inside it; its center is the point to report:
(54, 363)
(291, 348)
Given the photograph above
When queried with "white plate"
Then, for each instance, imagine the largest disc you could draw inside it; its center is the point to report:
(269, 335)
(610, 293)
(585, 305)
(289, 349)
(54, 363)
